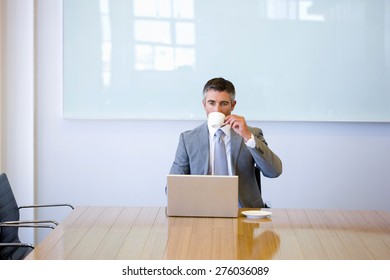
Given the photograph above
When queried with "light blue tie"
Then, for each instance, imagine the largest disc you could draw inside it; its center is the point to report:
(220, 158)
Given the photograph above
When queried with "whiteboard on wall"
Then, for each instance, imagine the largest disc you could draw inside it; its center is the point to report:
(290, 60)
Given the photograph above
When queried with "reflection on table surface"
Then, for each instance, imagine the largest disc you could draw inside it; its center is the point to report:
(94, 232)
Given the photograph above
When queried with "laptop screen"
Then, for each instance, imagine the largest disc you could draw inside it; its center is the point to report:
(202, 195)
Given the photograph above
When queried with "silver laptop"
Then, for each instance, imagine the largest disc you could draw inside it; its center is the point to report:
(202, 195)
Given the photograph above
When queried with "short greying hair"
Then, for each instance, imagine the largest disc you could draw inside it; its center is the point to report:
(220, 84)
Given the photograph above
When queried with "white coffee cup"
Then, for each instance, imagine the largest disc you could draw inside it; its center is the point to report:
(216, 119)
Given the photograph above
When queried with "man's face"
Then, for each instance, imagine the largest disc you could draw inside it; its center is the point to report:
(218, 101)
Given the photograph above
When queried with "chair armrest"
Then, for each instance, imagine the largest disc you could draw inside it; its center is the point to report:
(31, 222)
(16, 245)
(46, 205)
(27, 225)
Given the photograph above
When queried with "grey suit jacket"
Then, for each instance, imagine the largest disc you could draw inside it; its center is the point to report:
(192, 157)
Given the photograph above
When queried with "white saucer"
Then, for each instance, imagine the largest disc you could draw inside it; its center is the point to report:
(256, 213)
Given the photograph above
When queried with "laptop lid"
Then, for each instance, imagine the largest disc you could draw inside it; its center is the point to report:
(202, 195)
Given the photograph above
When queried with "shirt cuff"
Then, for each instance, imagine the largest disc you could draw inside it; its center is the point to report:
(251, 143)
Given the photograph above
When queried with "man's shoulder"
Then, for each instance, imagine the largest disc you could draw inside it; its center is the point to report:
(196, 130)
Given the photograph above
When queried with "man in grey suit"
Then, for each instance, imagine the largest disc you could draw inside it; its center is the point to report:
(247, 151)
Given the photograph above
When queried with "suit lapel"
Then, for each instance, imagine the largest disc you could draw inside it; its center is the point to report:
(203, 146)
(235, 148)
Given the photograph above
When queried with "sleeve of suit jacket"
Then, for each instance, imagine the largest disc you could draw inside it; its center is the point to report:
(181, 163)
(266, 160)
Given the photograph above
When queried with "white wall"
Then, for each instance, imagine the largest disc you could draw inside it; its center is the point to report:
(86, 162)
(18, 96)
(1, 95)
(17, 81)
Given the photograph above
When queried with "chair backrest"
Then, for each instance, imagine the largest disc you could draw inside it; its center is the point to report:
(258, 179)
(8, 212)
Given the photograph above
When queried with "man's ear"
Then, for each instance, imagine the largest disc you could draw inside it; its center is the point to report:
(234, 104)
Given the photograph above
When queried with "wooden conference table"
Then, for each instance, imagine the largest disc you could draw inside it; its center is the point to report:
(147, 233)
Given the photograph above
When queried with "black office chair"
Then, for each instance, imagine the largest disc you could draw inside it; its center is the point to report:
(11, 248)
(258, 179)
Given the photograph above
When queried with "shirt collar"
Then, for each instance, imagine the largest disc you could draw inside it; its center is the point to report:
(225, 129)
